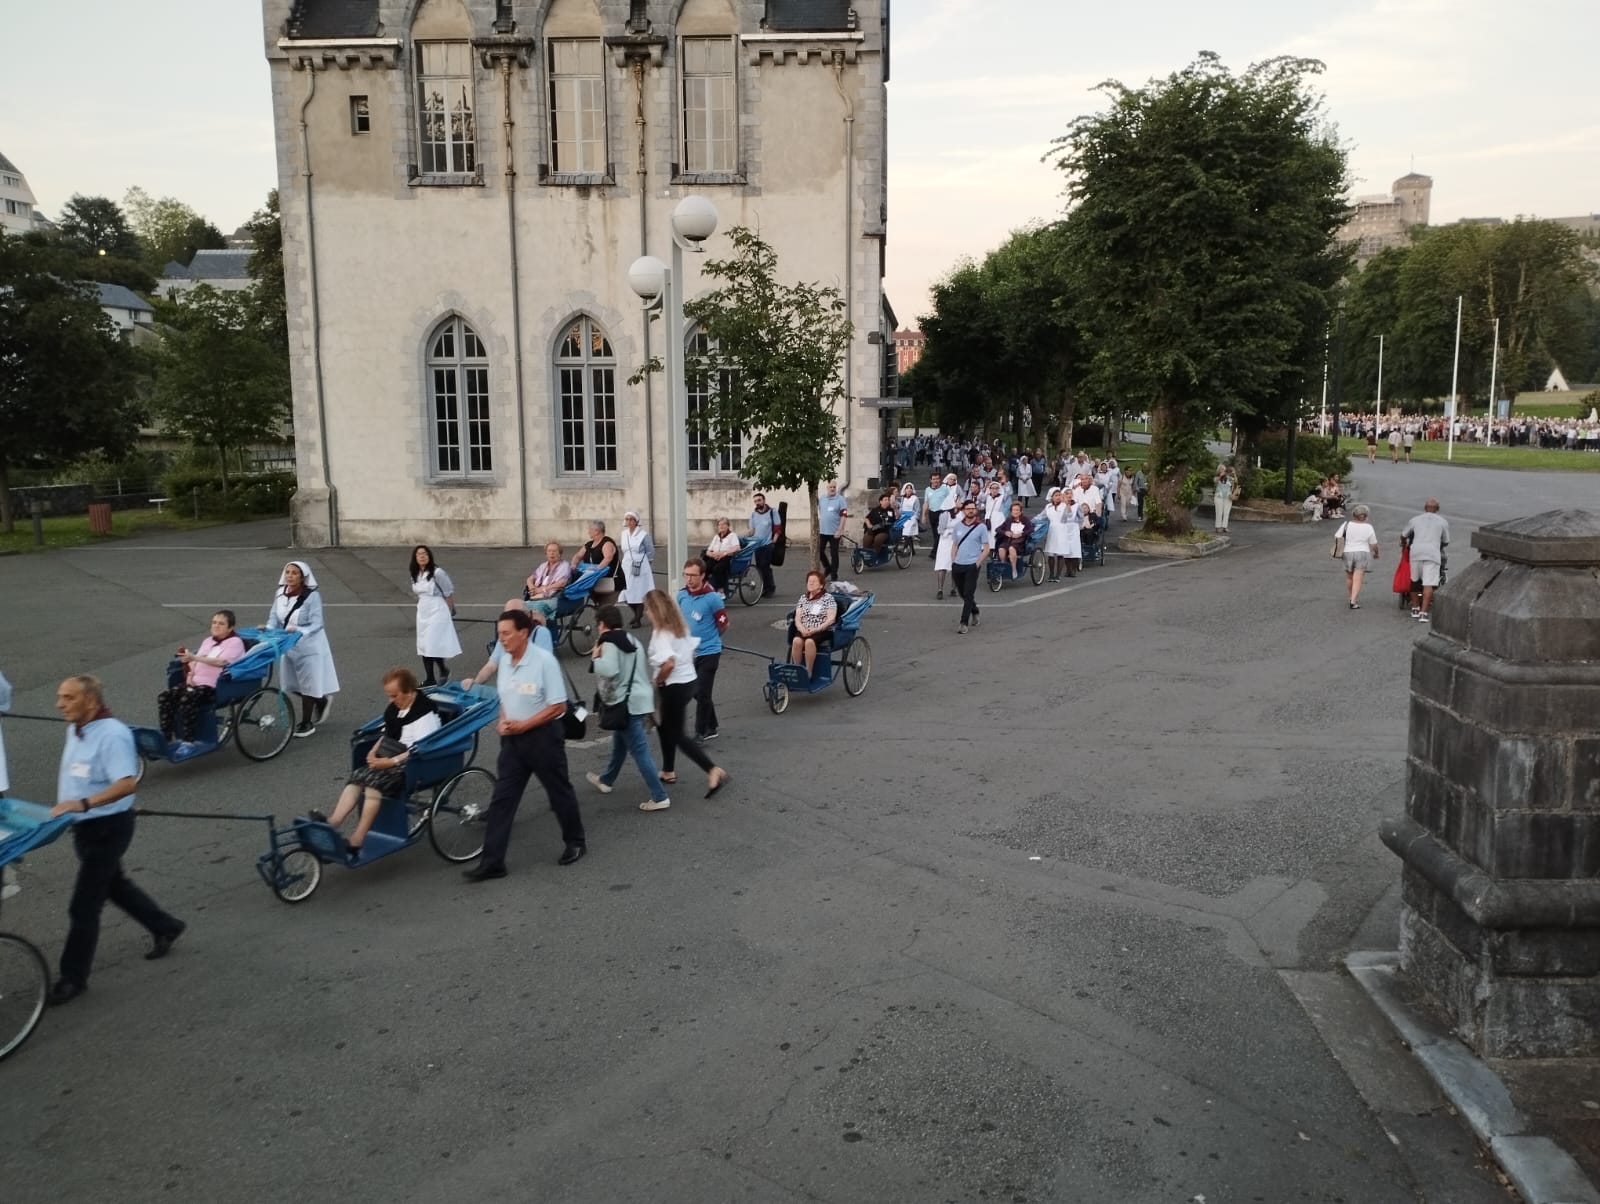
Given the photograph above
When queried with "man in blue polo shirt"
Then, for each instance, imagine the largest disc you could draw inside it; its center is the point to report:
(99, 774)
(707, 616)
(936, 500)
(831, 511)
(972, 541)
(533, 698)
(765, 524)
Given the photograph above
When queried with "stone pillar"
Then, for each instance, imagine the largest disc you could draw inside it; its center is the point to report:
(1500, 924)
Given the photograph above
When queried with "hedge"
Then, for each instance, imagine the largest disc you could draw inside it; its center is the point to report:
(248, 494)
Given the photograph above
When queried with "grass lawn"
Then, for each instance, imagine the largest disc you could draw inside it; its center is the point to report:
(1476, 455)
(72, 531)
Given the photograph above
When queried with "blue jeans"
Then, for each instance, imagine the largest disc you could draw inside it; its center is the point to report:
(633, 739)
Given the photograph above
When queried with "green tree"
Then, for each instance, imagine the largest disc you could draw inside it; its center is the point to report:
(67, 382)
(168, 229)
(96, 224)
(219, 382)
(266, 269)
(1203, 214)
(772, 357)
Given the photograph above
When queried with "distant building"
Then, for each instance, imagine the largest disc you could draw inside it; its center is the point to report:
(1385, 220)
(226, 271)
(1587, 224)
(17, 206)
(127, 309)
(908, 348)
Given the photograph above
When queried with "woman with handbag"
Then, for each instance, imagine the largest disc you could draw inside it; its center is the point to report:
(671, 653)
(626, 698)
(1356, 543)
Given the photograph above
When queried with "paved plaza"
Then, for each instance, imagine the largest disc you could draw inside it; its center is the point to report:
(1053, 912)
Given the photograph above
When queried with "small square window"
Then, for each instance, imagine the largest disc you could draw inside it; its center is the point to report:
(360, 116)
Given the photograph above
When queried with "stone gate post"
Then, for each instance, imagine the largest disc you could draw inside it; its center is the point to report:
(1500, 923)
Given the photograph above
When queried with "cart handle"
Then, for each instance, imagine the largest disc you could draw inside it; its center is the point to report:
(749, 652)
(268, 819)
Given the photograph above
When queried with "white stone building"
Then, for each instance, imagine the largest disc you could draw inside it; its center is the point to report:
(1386, 219)
(463, 185)
(17, 205)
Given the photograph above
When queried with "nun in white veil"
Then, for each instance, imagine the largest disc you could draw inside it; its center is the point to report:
(308, 666)
(636, 552)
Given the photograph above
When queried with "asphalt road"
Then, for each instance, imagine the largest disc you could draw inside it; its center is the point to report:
(1051, 912)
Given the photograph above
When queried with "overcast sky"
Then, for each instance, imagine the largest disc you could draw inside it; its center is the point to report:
(1499, 103)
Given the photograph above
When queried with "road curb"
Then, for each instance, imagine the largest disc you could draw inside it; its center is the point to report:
(1542, 1171)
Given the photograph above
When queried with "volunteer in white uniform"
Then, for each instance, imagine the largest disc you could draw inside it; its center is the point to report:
(308, 666)
(637, 551)
(436, 612)
(1064, 545)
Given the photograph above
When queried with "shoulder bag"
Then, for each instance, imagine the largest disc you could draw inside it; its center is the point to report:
(575, 722)
(614, 716)
(1338, 543)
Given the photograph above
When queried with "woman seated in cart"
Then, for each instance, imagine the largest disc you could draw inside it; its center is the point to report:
(409, 716)
(182, 706)
(1011, 537)
(811, 625)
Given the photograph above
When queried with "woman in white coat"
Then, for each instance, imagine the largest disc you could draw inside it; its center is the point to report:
(1063, 547)
(945, 553)
(436, 613)
(637, 552)
(1025, 489)
(308, 666)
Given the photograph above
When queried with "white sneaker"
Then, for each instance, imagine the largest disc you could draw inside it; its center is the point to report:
(650, 804)
(594, 780)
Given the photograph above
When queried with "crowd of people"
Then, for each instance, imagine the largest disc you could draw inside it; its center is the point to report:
(1399, 433)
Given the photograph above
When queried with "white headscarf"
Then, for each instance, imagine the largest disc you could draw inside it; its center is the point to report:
(306, 574)
(634, 515)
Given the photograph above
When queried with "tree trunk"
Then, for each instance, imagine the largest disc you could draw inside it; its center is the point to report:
(814, 541)
(1163, 515)
(222, 458)
(1069, 406)
(8, 518)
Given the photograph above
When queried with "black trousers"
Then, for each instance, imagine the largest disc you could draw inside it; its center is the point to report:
(100, 844)
(719, 571)
(675, 700)
(966, 579)
(769, 585)
(540, 753)
(828, 553)
(705, 680)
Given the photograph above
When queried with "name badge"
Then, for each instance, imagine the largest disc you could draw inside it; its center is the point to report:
(79, 769)
(527, 687)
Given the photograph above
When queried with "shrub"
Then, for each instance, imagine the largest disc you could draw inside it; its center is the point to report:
(1268, 483)
(252, 494)
(1310, 451)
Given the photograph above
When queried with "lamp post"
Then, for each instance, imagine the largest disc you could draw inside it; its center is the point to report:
(1455, 377)
(693, 222)
(1494, 367)
(1380, 374)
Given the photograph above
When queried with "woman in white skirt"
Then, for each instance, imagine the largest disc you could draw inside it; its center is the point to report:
(436, 613)
(1063, 547)
(1025, 489)
(946, 551)
(908, 506)
(637, 552)
(308, 666)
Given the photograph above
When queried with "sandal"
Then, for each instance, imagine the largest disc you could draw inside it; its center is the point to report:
(720, 782)
(668, 779)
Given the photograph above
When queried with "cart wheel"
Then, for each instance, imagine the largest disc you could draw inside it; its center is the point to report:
(858, 561)
(749, 589)
(264, 724)
(227, 724)
(1036, 568)
(138, 775)
(418, 804)
(857, 666)
(778, 697)
(581, 632)
(456, 819)
(295, 875)
(472, 753)
(903, 551)
(995, 582)
(24, 981)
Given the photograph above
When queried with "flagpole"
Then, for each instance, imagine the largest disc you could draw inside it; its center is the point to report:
(1494, 365)
(1455, 372)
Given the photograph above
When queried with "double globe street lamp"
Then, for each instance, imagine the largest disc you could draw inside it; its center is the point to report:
(693, 222)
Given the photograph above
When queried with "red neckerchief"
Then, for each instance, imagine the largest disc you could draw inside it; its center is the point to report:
(705, 588)
(103, 713)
